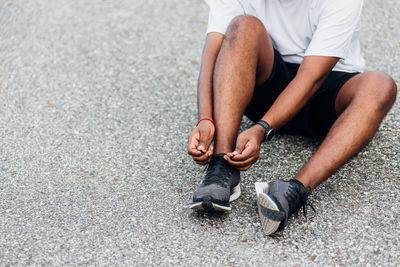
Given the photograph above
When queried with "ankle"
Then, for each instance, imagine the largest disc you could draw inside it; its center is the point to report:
(222, 150)
(307, 185)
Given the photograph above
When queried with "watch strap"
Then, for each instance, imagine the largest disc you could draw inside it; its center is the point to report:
(269, 131)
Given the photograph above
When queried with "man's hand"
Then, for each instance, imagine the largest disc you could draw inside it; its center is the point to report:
(199, 142)
(247, 149)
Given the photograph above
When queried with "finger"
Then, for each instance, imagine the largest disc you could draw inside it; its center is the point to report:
(203, 162)
(194, 152)
(244, 163)
(193, 142)
(209, 153)
(249, 151)
(204, 144)
(244, 168)
(202, 157)
(240, 146)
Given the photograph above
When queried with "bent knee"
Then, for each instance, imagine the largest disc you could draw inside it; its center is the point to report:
(380, 88)
(244, 25)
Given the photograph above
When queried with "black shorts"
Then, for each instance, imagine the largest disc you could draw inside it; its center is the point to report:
(316, 117)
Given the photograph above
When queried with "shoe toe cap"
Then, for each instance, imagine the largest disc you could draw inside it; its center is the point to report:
(217, 193)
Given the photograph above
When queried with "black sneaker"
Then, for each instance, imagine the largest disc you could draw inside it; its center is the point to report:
(277, 201)
(220, 186)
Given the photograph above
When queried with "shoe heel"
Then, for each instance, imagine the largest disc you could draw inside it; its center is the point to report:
(235, 193)
(261, 188)
(269, 226)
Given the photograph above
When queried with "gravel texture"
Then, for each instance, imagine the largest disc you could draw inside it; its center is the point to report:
(97, 99)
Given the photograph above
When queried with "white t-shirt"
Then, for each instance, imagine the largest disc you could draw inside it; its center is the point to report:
(301, 28)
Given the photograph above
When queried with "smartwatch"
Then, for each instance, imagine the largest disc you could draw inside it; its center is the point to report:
(269, 131)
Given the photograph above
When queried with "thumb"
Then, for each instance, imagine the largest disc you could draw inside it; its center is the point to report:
(194, 138)
(205, 140)
(240, 145)
(204, 143)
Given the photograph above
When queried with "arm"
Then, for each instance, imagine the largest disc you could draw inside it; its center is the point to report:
(221, 14)
(337, 24)
(202, 136)
(338, 21)
(310, 76)
(205, 81)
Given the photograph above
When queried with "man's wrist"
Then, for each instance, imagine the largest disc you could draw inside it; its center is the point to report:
(260, 131)
(269, 132)
(205, 119)
(259, 128)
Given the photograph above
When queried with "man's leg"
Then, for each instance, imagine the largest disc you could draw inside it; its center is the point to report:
(245, 60)
(361, 104)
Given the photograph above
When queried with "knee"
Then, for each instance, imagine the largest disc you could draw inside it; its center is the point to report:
(381, 89)
(243, 26)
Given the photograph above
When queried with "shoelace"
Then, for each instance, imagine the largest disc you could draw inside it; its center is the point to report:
(294, 197)
(306, 204)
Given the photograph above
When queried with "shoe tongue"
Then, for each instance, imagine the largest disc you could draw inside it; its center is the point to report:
(218, 156)
(219, 159)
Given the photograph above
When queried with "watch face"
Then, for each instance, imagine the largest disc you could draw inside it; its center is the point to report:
(269, 131)
(270, 134)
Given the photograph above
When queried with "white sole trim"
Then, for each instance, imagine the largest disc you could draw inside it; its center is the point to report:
(269, 226)
(236, 192)
(261, 188)
(216, 207)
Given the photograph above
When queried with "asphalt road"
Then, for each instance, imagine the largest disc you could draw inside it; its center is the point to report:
(97, 99)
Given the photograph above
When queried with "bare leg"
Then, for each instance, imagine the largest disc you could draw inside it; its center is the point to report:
(362, 104)
(245, 59)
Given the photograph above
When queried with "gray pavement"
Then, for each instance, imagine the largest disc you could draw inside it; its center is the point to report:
(97, 99)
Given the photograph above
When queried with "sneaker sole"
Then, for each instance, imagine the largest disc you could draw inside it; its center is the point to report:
(208, 205)
(269, 226)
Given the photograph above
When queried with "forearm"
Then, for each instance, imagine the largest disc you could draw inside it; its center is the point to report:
(291, 100)
(310, 76)
(205, 81)
(204, 88)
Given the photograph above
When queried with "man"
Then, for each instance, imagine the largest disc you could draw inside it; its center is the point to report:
(293, 66)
